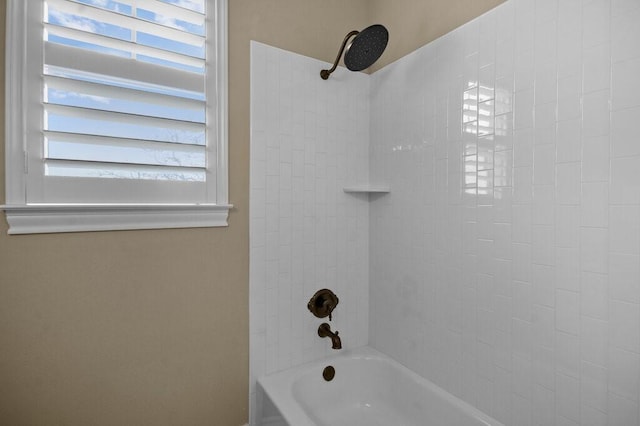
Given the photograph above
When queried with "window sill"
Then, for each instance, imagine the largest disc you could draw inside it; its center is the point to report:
(50, 218)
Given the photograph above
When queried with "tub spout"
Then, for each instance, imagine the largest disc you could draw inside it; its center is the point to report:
(325, 331)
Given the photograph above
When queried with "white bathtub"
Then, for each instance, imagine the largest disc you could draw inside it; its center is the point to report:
(369, 389)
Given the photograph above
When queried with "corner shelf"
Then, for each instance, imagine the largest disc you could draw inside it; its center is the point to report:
(369, 189)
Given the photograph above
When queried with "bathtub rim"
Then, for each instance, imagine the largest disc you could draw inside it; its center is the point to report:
(278, 387)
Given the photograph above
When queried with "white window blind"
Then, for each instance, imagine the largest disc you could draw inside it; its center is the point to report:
(123, 102)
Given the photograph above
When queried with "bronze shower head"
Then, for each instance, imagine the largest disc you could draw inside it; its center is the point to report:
(362, 51)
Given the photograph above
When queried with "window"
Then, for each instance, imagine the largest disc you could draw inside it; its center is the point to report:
(116, 114)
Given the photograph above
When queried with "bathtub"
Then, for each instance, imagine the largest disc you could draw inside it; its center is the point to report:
(369, 389)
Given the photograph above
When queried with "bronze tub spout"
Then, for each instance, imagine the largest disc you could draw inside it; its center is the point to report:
(325, 331)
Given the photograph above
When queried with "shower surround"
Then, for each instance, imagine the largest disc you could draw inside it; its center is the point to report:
(309, 139)
(505, 263)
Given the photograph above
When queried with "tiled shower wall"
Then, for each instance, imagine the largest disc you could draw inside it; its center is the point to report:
(505, 262)
(309, 139)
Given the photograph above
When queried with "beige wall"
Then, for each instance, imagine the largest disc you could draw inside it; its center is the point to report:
(151, 327)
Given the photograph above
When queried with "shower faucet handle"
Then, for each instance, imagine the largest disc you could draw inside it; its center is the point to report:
(322, 303)
(329, 306)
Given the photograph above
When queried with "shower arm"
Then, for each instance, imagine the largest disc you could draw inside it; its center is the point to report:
(325, 73)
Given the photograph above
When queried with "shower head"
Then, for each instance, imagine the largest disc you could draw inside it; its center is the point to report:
(366, 48)
(362, 51)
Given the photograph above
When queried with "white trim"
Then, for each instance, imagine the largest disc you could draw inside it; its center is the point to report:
(50, 218)
(15, 129)
(222, 99)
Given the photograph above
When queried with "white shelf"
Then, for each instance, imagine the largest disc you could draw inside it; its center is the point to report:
(367, 189)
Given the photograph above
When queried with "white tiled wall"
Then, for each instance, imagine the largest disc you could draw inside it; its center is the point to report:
(505, 263)
(309, 139)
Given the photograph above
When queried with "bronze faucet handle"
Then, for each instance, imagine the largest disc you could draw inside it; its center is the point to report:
(323, 303)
